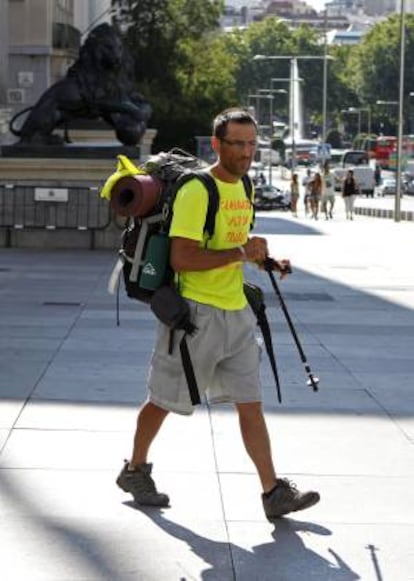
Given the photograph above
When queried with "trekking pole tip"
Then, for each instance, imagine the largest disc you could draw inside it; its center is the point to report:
(313, 382)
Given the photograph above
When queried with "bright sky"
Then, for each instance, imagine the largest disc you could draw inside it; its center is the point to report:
(317, 4)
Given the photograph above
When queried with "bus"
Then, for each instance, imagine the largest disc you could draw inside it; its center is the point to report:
(379, 147)
(366, 142)
(384, 149)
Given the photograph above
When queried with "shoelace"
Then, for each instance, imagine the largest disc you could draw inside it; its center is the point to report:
(288, 484)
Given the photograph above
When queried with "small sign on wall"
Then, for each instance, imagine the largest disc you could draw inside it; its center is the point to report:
(51, 195)
(25, 78)
(15, 96)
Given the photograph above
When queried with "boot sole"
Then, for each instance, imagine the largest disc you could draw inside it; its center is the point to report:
(314, 499)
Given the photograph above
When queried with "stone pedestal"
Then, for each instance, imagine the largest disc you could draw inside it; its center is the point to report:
(49, 195)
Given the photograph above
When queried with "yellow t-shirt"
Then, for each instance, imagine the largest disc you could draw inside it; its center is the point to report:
(220, 287)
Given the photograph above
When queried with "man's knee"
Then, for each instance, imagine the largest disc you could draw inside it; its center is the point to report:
(150, 409)
(250, 410)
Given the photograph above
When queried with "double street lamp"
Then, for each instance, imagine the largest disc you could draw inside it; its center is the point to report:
(386, 103)
(270, 93)
(358, 111)
(293, 59)
(258, 97)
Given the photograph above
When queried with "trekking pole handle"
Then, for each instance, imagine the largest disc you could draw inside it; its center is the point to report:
(271, 264)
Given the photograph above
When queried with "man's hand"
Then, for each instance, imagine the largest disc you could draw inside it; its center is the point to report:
(256, 249)
(282, 266)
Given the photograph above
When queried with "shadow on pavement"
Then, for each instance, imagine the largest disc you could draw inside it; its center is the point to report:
(275, 225)
(81, 548)
(285, 557)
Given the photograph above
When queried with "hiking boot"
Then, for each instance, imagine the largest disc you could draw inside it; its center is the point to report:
(286, 498)
(140, 484)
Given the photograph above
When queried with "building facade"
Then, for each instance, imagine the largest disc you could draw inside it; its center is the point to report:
(39, 40)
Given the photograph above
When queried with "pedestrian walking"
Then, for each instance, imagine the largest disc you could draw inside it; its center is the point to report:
(350, 190)
(294, 195)
(224, 352)
(315, 195)
(306, 183)
(377, 174)
(328, 192)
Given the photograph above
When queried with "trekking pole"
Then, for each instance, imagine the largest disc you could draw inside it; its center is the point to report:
(268, 264)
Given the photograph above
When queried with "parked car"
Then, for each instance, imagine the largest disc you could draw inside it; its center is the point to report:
(388, 187)
(271, 198)
(409, 185)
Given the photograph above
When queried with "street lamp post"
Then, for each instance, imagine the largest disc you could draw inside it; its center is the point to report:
(325, 85)
(409, 116)
(357, 112)
(353, 111)
(258, 97)
(368, 111)
(387, 103)
(292, 59)
(271, 93)
(397, 209)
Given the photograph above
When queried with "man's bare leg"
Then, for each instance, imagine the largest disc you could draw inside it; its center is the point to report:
(135, 476)
(149, 421)
(257, 442)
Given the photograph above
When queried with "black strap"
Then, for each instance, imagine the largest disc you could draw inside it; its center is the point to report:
(255, 298)
(189, 372)
(248, 186)
(263, 323)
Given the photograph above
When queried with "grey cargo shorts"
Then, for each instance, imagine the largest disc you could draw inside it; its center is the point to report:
(225, 356)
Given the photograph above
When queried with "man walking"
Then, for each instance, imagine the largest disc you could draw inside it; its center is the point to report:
(224, 352)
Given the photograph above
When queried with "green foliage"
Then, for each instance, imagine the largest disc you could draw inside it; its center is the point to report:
(169, 39)
(189, 69)
(374, 66)
(279, 145)
(334, 137)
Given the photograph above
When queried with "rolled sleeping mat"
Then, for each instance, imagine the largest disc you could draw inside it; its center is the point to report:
(135, 195)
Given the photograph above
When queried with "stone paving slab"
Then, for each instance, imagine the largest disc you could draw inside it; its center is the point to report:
(71, 380)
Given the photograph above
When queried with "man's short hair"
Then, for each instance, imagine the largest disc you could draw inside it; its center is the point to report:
(235, 114)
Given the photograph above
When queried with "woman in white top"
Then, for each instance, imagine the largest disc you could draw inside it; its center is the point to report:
(328, 192)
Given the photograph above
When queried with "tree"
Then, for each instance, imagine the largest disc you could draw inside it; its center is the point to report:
(273, 37)
(168, 41)
(373, 68)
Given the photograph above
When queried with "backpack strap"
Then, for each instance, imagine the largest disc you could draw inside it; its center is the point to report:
(248, 186)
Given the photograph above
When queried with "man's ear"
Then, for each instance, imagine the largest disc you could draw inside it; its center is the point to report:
(215, 144)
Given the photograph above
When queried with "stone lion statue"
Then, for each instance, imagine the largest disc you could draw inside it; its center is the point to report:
(100, 84)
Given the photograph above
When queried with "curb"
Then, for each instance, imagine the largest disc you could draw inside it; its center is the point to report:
(384, 213)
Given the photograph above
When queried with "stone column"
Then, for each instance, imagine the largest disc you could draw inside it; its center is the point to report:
(4, 51)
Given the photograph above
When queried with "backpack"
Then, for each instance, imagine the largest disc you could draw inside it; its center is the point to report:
(145, 196)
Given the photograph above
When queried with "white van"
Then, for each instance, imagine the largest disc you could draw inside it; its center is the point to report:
(263, 155)
(364, 174)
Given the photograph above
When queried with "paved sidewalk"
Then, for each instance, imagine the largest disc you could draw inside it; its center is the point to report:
(71, 381)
